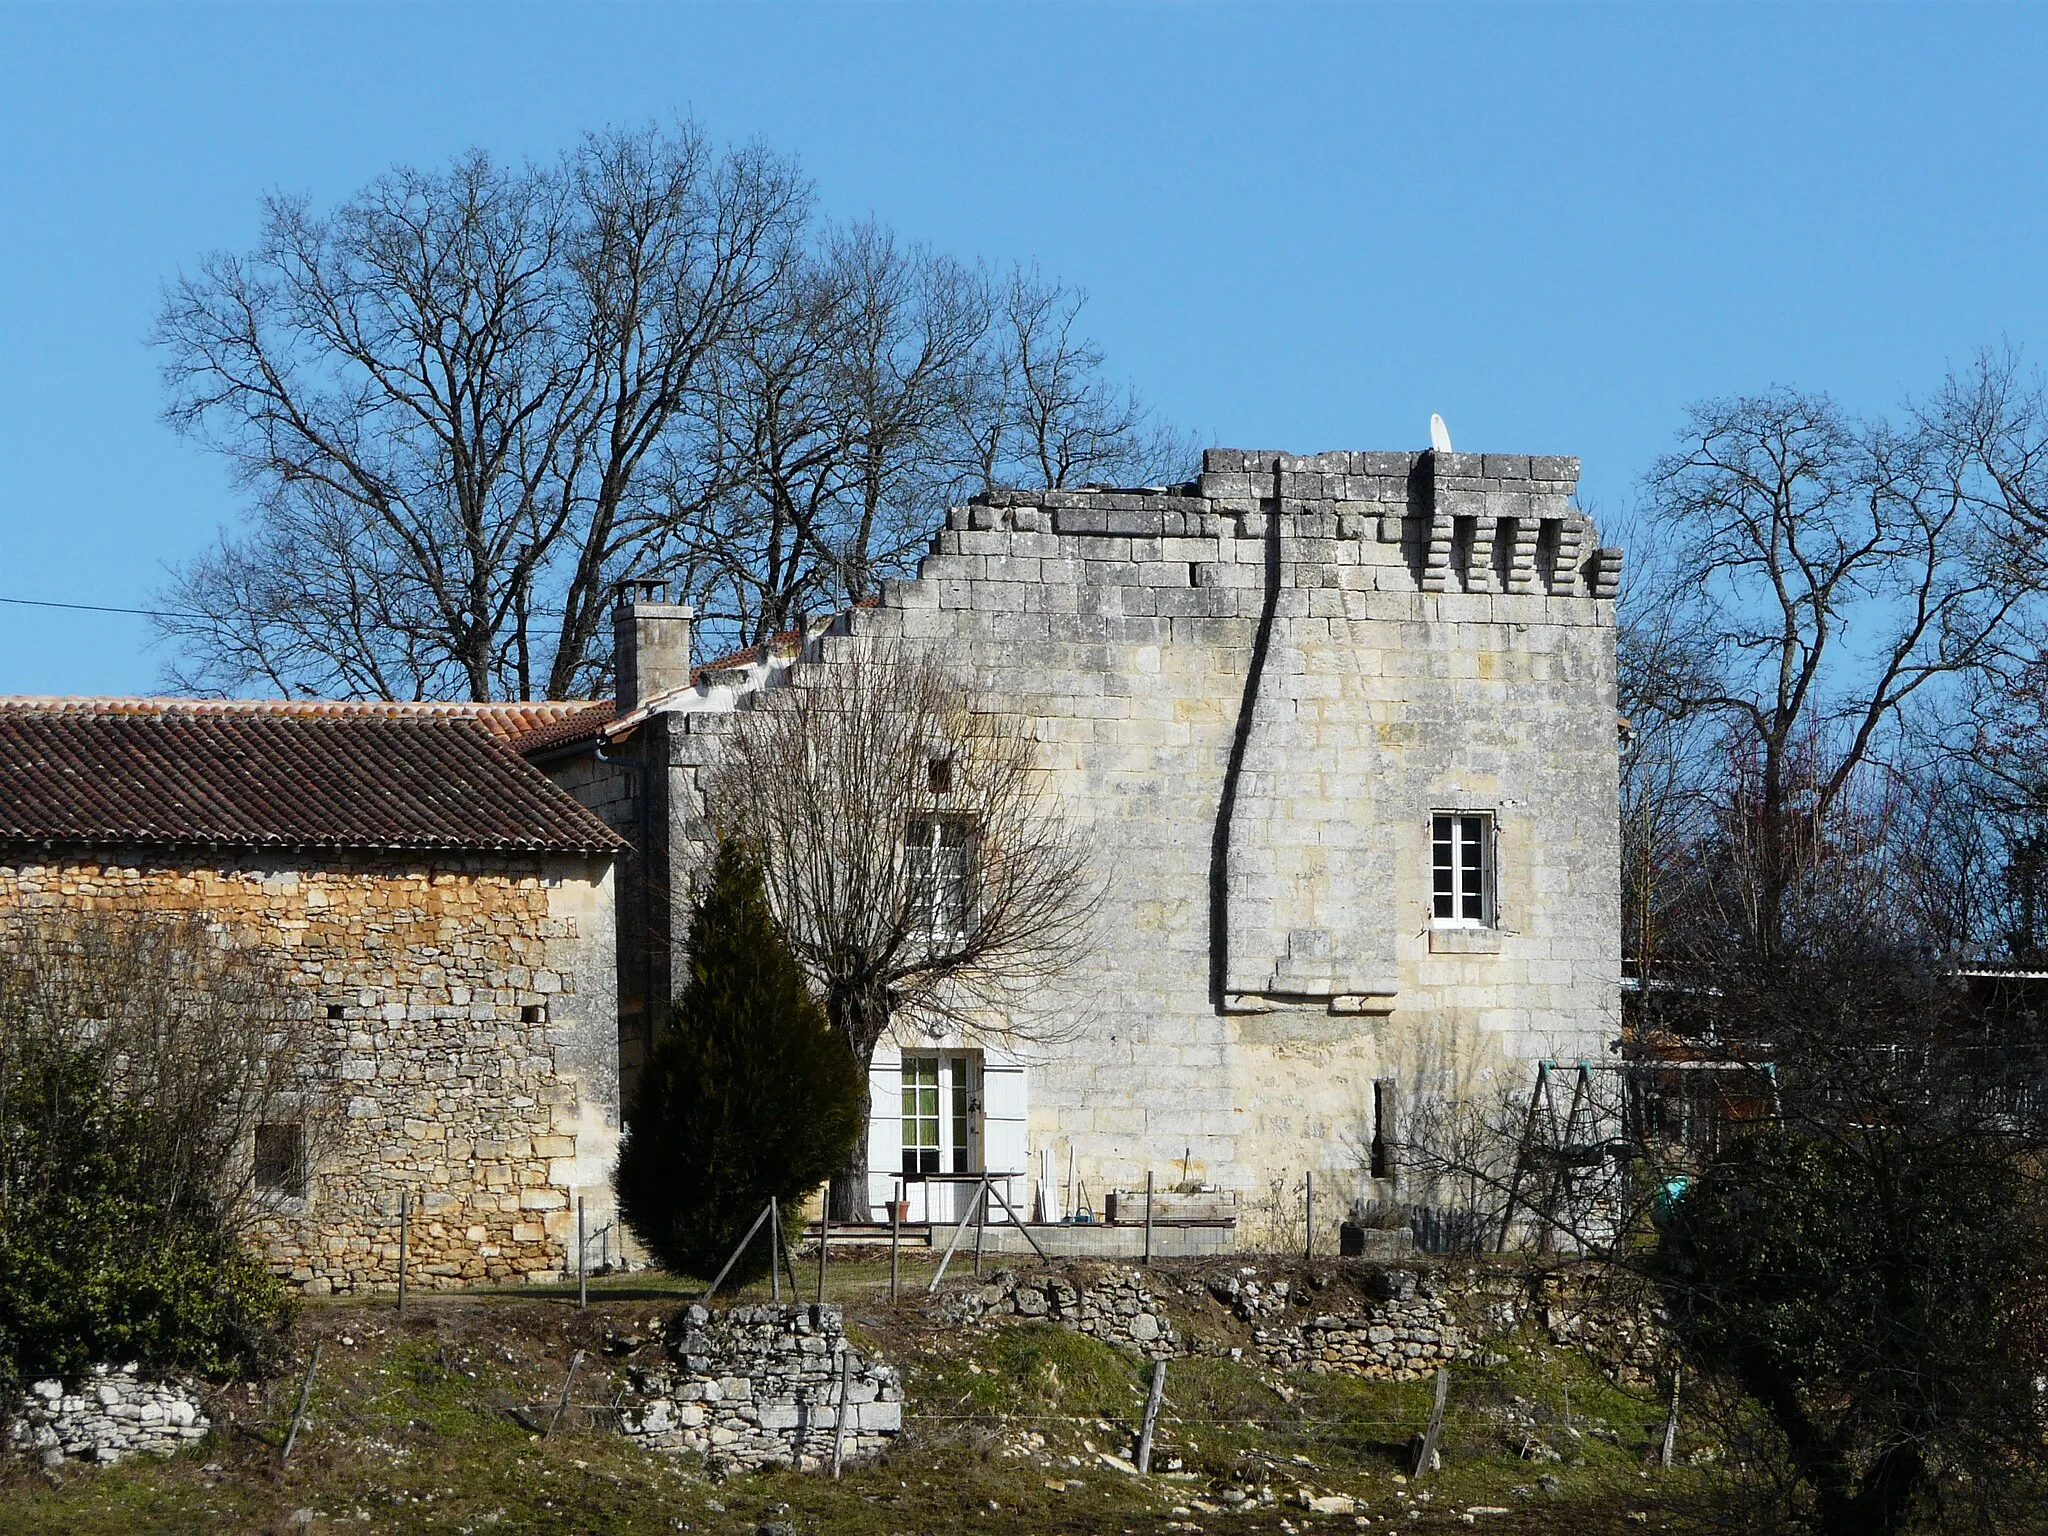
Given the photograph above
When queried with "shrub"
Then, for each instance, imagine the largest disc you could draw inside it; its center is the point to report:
(1877, 1294)
(112, 1260)
(749, 1095)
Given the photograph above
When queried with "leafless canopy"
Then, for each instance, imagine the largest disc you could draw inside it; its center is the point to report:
(1824, 589)
(466, 402)
(922, 871)
(204, 1037)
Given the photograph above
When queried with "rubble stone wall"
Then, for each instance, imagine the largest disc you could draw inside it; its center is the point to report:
(1388, 1323)
(1406, 1331)
(1114, 1306)
(472, 1063)
(116, 1414)
(761, 1386)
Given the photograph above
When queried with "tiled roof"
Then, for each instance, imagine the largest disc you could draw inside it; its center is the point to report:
(582, 723)
(173, 772)
(508, 722)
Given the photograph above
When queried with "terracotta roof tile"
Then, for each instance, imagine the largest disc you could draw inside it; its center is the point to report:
(506, 721)
(566, 729)
(287, 775)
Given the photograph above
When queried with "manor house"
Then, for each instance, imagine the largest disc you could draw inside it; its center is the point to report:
(1341, 730)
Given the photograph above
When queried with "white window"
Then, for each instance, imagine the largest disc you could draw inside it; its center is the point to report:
(941, 1114)
(1461, 870)
(939, 860)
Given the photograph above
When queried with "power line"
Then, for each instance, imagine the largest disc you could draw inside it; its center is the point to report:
(143, 613)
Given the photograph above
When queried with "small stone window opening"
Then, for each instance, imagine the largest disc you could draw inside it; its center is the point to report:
(1462, 893)
(281, 1159)
(334, 1010)
(533, 1013)
(939, 775)
(1384, 1164)
(939, 862)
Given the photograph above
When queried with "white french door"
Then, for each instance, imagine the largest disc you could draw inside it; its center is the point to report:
(942, 1116)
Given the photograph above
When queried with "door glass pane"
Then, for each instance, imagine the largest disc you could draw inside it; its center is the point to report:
(920, 1114)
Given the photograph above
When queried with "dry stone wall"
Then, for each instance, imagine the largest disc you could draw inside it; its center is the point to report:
(1406, 1331)
(1113, 1305)
(114, 1415)
(468, 1019)
(754, 1387)
(1382, 1323)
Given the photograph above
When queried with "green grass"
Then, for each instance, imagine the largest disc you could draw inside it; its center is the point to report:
(1013, 1428)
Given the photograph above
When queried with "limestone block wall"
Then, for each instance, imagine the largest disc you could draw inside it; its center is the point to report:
(468, 1018)
(1251, 693)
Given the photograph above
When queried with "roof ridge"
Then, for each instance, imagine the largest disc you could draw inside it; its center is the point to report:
(143, 703)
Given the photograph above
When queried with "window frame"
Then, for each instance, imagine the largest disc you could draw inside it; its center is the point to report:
(298, 1184)
(949, 921)
(1472, 832)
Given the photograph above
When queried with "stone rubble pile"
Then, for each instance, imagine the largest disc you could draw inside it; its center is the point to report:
(1113, 1306)
(760, 1386)
(116, 1414)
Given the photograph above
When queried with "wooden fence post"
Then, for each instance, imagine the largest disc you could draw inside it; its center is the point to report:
(839, 1423)
(1152, 1399)
(895, 1239)
(824, 1236)
(1148, 1215)
(1671, 1421)
(299, 1413)
(1425, 1456)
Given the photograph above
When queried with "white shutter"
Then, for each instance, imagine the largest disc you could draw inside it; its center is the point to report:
(1005, 1111)
(885, 1125)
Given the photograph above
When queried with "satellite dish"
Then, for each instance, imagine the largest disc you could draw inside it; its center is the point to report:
(1439, 434)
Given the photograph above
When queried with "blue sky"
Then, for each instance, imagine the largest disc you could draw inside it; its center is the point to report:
(1301, 227)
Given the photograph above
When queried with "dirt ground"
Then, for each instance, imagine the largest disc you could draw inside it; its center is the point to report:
(453, 1419)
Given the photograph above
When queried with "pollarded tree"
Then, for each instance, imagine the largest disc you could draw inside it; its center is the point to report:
(919, 864)
(749, 1096)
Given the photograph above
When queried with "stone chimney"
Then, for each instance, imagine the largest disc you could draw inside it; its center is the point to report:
(650, 642)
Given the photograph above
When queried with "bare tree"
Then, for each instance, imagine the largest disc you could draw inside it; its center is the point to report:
(1041, 412)
(203, 1038)
(835, 417)
(468, 402)
(444, 399)
(1827, 574)
(921, 869)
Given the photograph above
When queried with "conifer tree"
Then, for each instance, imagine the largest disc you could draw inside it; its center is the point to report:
(749, 1095)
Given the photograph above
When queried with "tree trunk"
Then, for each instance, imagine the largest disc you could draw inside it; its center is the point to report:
(850, 1184)
(862, 1020)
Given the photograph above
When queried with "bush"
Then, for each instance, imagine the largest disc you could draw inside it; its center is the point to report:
(749, 1095)
(111, 1260)
(1878, 1296)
